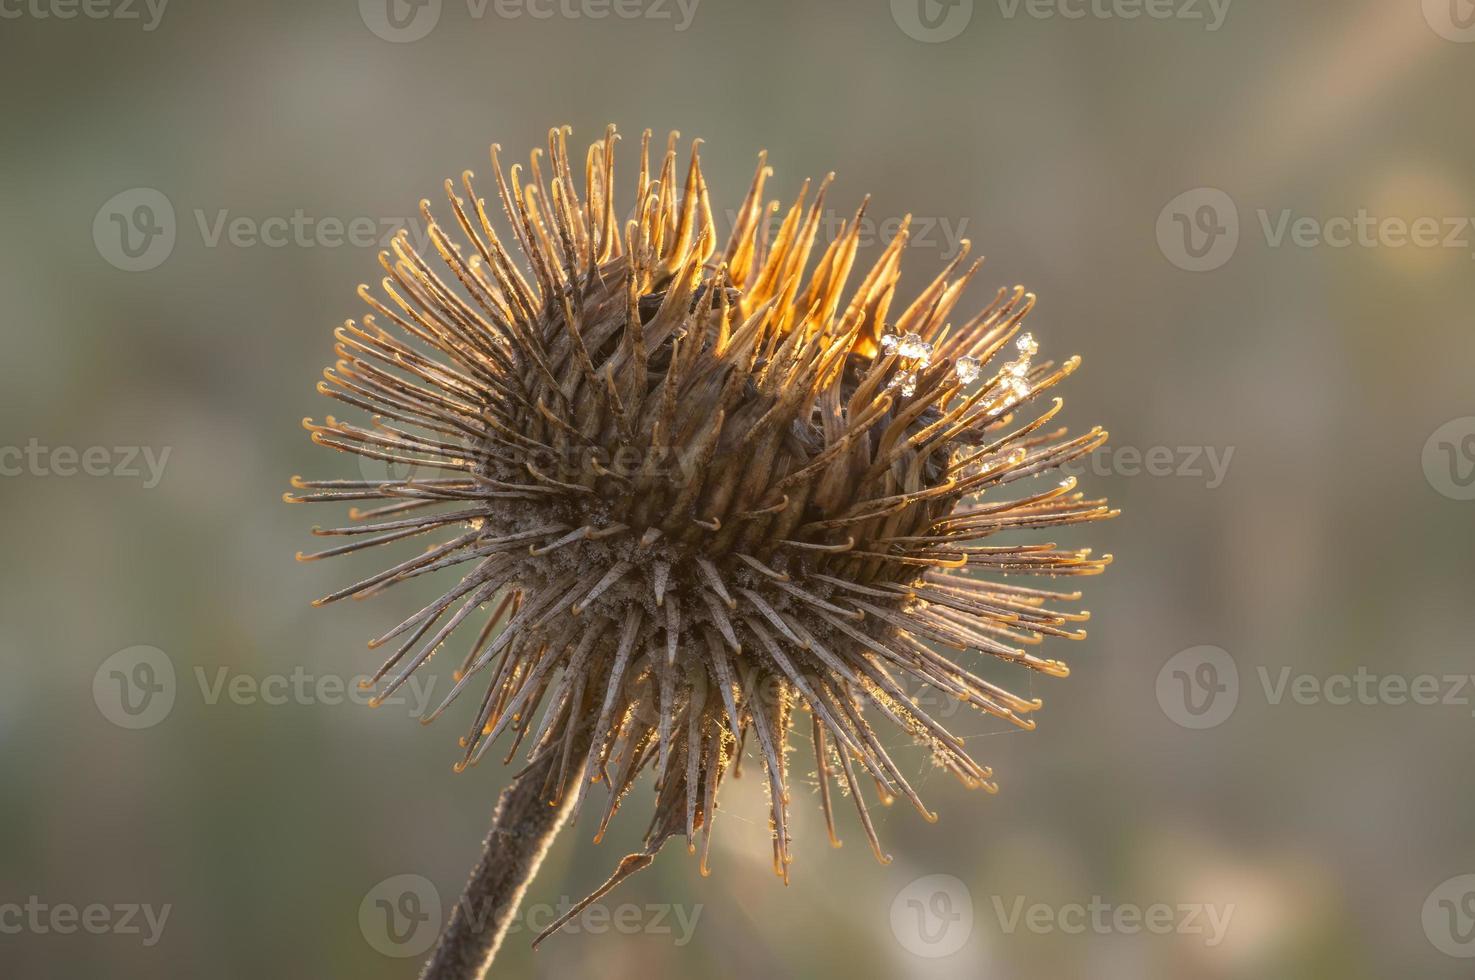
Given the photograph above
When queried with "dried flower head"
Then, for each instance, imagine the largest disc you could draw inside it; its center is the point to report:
(697, 488)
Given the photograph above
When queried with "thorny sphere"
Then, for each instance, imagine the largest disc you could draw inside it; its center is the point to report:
(693, 493)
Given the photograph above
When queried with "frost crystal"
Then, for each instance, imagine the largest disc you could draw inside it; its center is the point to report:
(914, 347)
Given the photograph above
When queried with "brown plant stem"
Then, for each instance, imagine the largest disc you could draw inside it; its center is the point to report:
(524, 825)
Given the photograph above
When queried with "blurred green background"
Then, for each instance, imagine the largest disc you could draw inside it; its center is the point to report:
(1092, 158)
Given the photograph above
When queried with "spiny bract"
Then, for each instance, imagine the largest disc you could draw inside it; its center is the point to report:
(698, 489)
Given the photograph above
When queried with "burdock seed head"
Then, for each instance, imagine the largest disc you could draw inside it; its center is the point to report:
(693, 490)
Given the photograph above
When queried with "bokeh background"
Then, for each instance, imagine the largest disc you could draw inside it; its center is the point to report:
(1135, 171)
